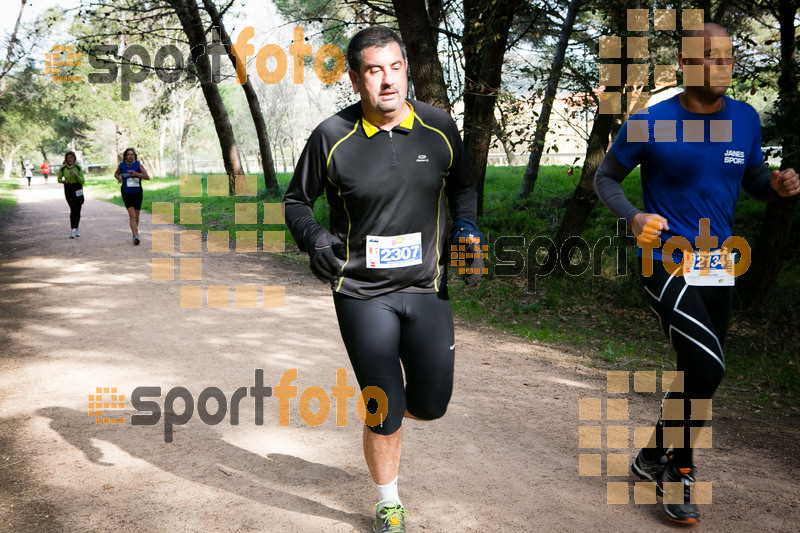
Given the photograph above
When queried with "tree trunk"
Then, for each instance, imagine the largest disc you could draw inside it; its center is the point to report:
(486, 28)
(150, 163)
(508, 148)
(192, 23)
(189, 159)
(584, 198)
(179, 134)
(117, 143)
(276, 149)
(500, 131)
(8, 162)
(543, 123)
(162, 142)
(421, 41)
(270, 180)
(582, 202)
(245, 162)
(283, 158)
(768, 250)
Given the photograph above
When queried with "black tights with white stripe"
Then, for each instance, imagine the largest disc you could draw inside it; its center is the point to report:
(695, 320)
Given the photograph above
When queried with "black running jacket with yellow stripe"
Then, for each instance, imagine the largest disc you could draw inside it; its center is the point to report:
(388, 193)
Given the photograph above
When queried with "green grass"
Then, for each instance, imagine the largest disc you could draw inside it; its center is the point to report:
(7, 198)
(218, 212)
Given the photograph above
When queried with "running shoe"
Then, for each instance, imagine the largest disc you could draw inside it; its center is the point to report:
(136, 240)
(76, 233)
(389, 519)
(686, 512)
(649, 470)
(73, 233)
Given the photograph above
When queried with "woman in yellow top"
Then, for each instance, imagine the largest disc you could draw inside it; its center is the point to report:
(71, 175)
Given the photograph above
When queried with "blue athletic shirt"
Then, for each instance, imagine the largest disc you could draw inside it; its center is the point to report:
(684, 178)
(124, 168)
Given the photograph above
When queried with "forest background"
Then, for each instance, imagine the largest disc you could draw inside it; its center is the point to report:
(538, 88)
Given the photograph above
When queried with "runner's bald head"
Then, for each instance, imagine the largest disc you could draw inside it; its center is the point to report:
(706, 58)
(709, 29)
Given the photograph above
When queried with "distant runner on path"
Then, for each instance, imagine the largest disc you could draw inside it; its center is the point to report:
(71, 175)
(130, 174)
(28, 169)
(45, 170)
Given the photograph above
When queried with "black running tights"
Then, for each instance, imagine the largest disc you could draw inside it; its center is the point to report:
(695, 319)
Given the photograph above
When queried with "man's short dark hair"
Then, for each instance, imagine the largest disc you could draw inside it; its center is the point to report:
(379, 36)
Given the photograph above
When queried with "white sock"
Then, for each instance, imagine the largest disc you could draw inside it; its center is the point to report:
(388, 492)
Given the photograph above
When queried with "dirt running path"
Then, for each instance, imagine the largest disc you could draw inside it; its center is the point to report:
(78, 314)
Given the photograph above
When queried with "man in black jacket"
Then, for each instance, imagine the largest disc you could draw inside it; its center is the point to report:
(390, 167)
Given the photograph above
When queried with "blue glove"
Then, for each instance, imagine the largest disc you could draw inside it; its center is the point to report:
(324, 254)
(468, 231)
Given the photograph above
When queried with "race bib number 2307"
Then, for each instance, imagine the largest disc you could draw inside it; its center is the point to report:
(396, 251)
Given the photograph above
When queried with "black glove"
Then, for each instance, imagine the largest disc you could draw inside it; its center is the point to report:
(467, 230)
(324, 254)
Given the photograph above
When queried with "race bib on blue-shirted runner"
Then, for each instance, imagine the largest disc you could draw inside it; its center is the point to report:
(394, 252)
(709, 269)
(132, 183)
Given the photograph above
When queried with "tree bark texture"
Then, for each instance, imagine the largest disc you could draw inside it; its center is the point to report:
(486, 28)
(543, 122)
(421, 42)
(267, 163)
(584, 198)
(189, 16)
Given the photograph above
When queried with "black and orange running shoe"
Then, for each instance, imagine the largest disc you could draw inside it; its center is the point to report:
(676, 484)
